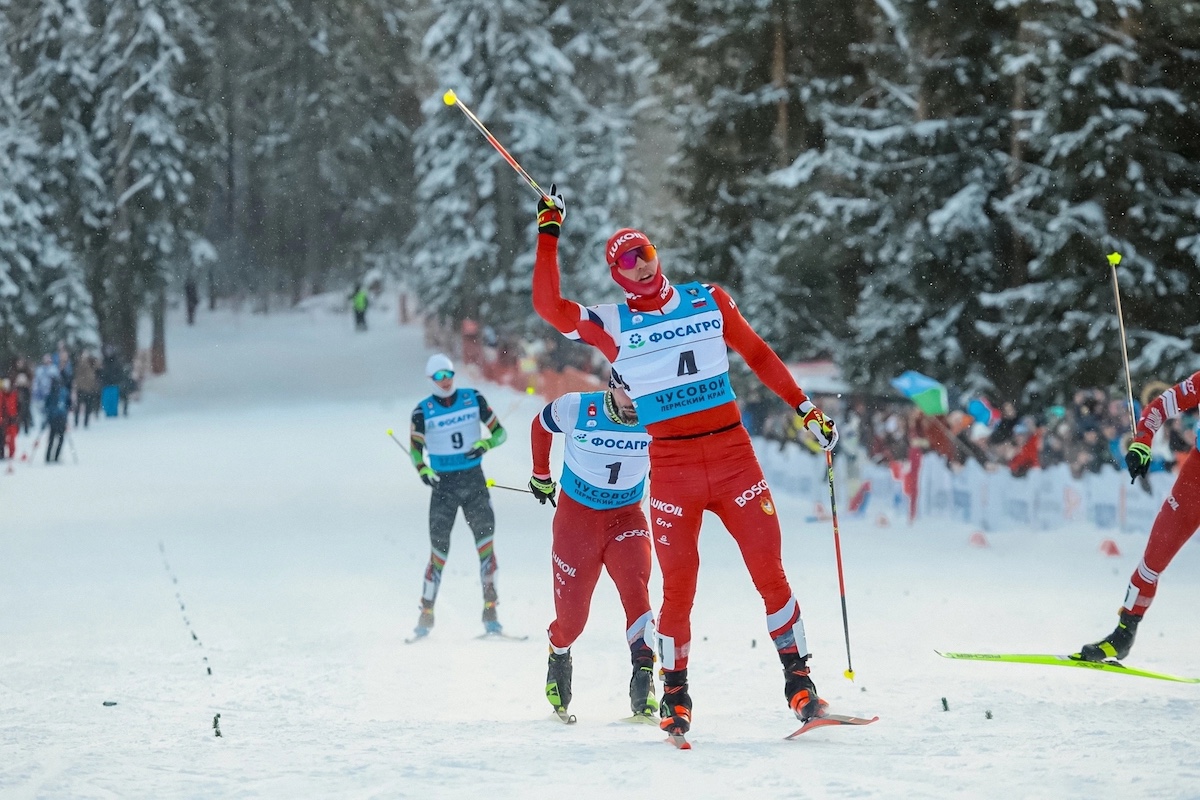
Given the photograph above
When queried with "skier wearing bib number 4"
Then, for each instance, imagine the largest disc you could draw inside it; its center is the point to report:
(671, 345)
(446, 427)
(598, 524)
(1177, 520)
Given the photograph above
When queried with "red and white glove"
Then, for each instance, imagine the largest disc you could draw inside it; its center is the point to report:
(823, 429)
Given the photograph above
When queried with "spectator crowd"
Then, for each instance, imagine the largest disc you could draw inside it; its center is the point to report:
(45, 398)
(1088, 434)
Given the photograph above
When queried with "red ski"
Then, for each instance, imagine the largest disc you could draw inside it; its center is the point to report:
(831, 719)
(676, 737)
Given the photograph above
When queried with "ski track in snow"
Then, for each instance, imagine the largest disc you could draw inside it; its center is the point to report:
(296, 531)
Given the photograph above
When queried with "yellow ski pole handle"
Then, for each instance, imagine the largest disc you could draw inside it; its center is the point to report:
(399, 444)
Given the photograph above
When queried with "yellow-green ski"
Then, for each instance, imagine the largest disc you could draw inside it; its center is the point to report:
(1066, 661)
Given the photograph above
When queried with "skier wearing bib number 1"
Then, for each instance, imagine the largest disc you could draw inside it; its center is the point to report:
(446, 427)
(670, 344)
(598, 524)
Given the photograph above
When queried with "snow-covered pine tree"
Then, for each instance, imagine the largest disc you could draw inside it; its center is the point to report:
(904, 183)
(1108, 132)
(472, 242)
(314, 176)
(42, 297)
(726, 67)
(122, 143)
(603, 179)
(146, 129)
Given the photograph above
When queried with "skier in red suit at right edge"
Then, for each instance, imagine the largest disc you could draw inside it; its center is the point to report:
(1177, 520)
(670, 343)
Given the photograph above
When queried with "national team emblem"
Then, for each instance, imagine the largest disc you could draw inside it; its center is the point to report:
(636, 341)
(767, 507)
(694, 292)
(591, 409)
(699, 303)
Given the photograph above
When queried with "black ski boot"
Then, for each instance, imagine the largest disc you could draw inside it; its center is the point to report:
(676, 708)
(641, 685)
(1117, 644)
(799, 690)
(558, 681)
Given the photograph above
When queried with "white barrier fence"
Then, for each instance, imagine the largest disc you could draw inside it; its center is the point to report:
(989, 500)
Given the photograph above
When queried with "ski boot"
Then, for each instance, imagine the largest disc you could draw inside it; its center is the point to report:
(425, 623)
(490, 623)
(1117, 644)
(558, 682)
(676, 708)
(641, 686)
(799, 690)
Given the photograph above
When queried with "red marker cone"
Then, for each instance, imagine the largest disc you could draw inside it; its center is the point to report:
(1109, 548)
(978, 539)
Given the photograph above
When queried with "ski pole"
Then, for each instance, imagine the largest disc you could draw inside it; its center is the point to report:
(1114, 258)
(837, 549)
(493, 485)
(399, 444)
(451, 99)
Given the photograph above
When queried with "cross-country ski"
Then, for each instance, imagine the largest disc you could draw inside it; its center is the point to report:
(1067, 661)
(830, 720)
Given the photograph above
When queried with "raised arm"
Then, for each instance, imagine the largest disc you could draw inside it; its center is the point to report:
(568, 317)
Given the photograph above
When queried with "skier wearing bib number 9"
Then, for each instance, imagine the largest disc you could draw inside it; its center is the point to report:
(671, 345)
(446, 427)
(598, 524)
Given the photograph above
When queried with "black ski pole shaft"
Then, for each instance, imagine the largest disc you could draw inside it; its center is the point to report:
(492, 484)
(399, 443)
(837, 549)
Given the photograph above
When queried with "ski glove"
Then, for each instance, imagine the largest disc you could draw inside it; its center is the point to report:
(428, 476)
(1137, 460)
(479, 448)
(820, 426)
(550, 212)
(543, 490)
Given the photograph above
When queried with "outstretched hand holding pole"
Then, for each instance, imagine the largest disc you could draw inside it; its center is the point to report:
(493, 485)
(451, 99)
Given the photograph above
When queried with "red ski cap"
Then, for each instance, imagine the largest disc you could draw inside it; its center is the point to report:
(623, 241)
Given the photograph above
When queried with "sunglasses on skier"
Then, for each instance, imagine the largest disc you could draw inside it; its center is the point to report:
(629, 259)
(442, 374)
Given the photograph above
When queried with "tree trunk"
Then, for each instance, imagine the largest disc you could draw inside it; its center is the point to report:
(158, 339)
(779, 81)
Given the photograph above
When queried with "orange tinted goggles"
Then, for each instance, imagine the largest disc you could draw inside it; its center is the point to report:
(629, 259)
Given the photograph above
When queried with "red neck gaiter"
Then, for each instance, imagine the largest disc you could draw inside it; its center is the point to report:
(649, 296)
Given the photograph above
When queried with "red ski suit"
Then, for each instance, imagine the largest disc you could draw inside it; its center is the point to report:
(586, 540)
(9, 407)
(698, 461)
(1179, 516)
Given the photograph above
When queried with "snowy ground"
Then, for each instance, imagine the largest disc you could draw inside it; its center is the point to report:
(256, 487)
